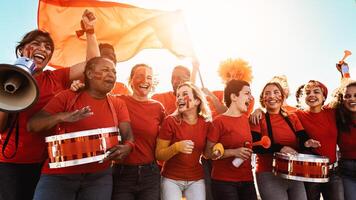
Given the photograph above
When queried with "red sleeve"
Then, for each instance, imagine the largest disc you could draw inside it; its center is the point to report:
(214, 131)
(166, 132)
(58, 103)
(296, 122)
(61, 76)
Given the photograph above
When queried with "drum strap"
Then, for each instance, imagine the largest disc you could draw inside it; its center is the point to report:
(269, 126)
(13, 124)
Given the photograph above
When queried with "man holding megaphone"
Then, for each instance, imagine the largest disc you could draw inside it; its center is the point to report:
(22, 153)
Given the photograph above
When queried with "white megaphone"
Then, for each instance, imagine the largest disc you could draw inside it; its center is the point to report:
(18, 88)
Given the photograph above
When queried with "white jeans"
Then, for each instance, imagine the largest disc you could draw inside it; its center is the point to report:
(173, 189)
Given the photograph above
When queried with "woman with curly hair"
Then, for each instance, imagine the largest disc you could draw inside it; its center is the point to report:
(180, 144)
(346, 124)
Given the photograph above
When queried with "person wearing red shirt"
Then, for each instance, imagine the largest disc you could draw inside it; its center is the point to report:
(229, 181)
(320, 123)
(180, 74)
(138, 176)
(287, 136)
(89, 109)
(346, 123)
(108, 51)
(22, 153)
(181, 142)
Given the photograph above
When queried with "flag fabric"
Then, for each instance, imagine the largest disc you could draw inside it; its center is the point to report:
(128, 28)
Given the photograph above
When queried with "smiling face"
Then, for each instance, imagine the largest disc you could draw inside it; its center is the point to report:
(272, 98)
(350, 98)
(141, 81)
(186, 100)
(242, 102)
(314, 97)
(40, 50)
(102, 76)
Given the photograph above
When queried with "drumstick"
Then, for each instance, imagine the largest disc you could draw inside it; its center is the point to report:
(265, 142)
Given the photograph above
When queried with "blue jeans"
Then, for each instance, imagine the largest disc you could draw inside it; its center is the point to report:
(136, 182)
(207, 177)
(273, 187)
(233, 190)
(348, 174)
(18, 181)
(174, 189)
(86, 186)
(332, 190)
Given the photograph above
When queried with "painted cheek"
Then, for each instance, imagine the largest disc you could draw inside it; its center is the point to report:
(187, 100)
(98, 75)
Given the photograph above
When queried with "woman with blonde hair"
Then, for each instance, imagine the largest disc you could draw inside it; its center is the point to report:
(181, 142)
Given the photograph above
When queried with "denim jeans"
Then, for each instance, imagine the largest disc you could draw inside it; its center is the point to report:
(136, 182)
(348, 174)
(332, 190)
(18, 181)
(86, 186)
(174, 189)
(207, 177)
(233, 190)
(273, 187)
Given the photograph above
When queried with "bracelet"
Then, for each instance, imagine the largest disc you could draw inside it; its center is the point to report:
(131, 144)
(83, 30)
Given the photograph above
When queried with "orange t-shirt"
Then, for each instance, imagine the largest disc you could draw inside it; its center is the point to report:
(232, 133)
(146, 118)
(282, 134)
(102, 118)
(322, 127)
(31, 146)
(184, 166)
(120, 88)
(168, 100)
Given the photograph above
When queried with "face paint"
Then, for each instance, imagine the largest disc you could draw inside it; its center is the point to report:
(142, 81)
(187, 100)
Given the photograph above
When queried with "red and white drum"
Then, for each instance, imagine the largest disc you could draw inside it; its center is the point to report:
(302, 167)
(81, 147)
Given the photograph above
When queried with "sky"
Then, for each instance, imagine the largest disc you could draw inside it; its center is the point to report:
(302, 39)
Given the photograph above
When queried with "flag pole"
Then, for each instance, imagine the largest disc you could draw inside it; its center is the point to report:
(196, 69)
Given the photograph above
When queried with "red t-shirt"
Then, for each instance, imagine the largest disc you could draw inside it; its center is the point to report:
(232, 133)
(146, 118)
(282, 134)
(31, 146)
(347, 144)
(102, 118)
(168, 100)
(322, 127)
(184, 166)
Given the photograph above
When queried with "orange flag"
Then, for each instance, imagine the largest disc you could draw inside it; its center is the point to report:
(128, 28)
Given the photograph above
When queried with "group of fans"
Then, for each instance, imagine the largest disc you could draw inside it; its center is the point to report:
(178, 144)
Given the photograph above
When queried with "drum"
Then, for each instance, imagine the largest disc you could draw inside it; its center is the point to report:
(81, 147)
(302, 167)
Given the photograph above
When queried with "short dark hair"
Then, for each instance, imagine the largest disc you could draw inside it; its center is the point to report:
(233, 87)
(183, 68)
(90, 65)
(32, 35)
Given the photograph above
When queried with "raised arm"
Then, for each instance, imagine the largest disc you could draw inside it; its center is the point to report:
(88, 19)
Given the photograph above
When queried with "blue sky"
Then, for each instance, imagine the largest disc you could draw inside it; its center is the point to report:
(302, 39)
